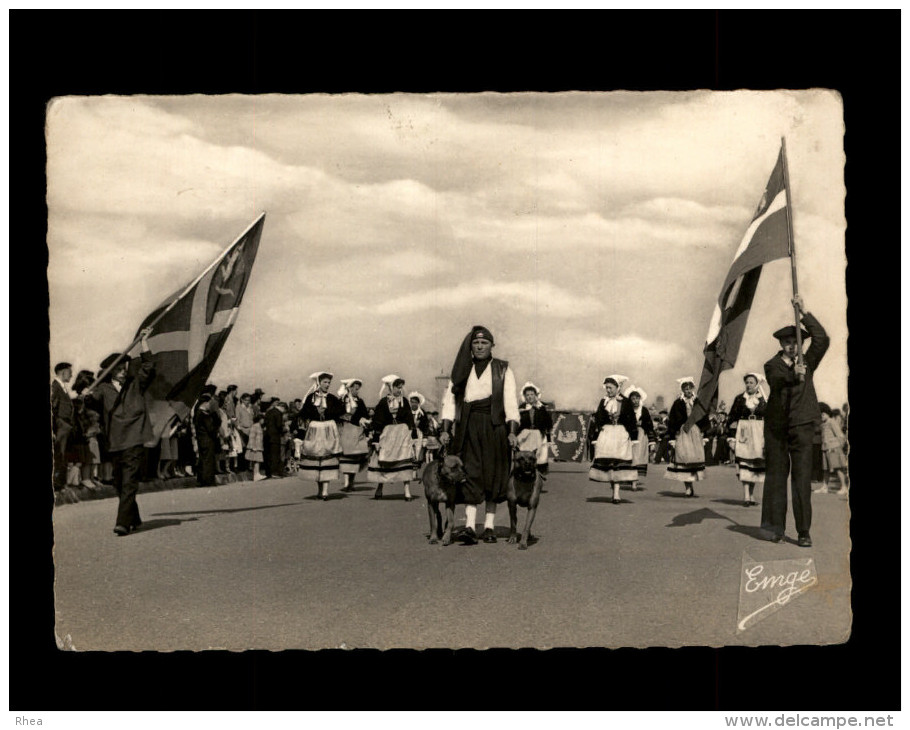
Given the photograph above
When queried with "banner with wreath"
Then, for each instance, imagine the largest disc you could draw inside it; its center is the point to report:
(569, 435)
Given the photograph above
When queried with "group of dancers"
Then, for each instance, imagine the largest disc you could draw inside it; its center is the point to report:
(342, 438)
(624, 435)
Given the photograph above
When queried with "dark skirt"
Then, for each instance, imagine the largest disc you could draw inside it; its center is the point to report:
(486, 456)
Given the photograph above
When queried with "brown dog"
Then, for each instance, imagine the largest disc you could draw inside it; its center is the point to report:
(524, 490)
(441, 479)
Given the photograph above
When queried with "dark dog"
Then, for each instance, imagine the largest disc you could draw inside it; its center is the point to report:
(441, 478)
(524, 490)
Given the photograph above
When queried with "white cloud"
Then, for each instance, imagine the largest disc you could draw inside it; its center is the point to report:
(123, 157)
(317, 312)
(629, 348)
(542, 298)
(119, 250)
(688, 212)
(637, 231)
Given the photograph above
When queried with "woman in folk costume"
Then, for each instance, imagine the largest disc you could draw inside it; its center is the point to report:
(746, 435)
(646, 439)
(355, 442)
(321, 447)
(534, 427)
(616, 434)
(421, 426)
(392, 459)
(687, 442)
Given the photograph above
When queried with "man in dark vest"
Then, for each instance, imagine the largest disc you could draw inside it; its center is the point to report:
(790, 422)
(481, 404)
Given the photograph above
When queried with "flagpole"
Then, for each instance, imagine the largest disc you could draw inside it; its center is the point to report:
(799, 328)
(170, 306)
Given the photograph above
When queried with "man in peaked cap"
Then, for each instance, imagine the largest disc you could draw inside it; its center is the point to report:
(481, 405)
(790, 422)
(62, 419)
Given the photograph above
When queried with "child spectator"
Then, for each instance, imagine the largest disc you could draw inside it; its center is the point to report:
(87, 426)
(254, 447)
(833, 448)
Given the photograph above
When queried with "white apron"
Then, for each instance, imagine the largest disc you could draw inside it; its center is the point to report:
(530, 439)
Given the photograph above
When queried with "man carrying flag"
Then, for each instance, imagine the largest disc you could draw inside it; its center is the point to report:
(128, 427)
(795, 407)
(184, 335)
(790, 421)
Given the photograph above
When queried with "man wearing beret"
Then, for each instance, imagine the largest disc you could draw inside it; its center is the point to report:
(62, 415)
(790, 422)
(206, 424)
(128, 427)
(272, 432)
(481, 403)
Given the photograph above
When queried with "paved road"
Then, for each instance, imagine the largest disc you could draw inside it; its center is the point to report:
(268, 566)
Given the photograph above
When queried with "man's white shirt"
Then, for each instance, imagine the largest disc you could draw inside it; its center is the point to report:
(480, 388)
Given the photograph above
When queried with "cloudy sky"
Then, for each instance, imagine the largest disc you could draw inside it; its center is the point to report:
(590, 232)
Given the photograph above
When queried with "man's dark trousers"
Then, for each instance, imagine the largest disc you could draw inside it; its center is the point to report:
(273, 458)
(127, 467)
(788, 453)
(208, 457)
(60, 440)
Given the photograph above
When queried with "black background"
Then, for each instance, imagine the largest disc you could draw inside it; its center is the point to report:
(858, 54)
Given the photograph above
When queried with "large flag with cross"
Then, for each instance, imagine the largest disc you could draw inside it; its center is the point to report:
(767, 238)
(190, 328)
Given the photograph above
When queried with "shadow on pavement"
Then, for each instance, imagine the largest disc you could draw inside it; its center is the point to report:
(399, 497)
(501, 532)
(697, 517)
(332, 496)
(228, 511)
(155, 524)
(756, 533)
(672, 494)
(608, 500)
(734, 502)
